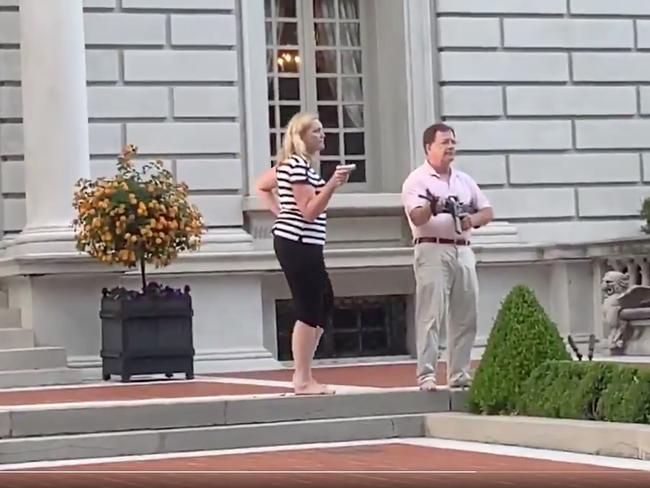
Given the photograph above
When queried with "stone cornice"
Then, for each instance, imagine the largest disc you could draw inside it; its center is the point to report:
(261, 261)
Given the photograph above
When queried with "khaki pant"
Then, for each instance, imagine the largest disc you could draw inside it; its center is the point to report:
(446, 295)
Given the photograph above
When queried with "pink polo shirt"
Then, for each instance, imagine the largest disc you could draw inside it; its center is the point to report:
(460, 184)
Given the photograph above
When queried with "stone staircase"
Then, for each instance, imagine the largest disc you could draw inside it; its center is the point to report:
(49, 432)
(22, 363)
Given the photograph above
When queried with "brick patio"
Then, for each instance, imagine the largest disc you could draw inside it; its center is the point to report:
(382, 376)
(376, 376)
(374, 465)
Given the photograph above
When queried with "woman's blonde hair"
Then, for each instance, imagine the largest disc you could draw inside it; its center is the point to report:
(292, 142)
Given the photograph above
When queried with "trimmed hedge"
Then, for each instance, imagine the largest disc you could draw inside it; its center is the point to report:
(588, 391)
(522, 338)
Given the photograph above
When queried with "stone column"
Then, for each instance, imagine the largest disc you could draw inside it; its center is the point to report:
(422, 87)
(55, 120)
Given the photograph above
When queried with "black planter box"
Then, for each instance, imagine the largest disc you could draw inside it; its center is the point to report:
(146, 333)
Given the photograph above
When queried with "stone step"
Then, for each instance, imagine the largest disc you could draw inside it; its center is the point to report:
(627, 440)
(40, 377)
(16, 338)
(96, 417)
(143, 442)
(32, 358)
(10, 318)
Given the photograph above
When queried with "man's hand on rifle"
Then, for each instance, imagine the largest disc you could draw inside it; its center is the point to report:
(466, 222)
(432, 199)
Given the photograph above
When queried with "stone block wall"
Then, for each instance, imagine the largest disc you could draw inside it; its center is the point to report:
(550, 100)
(551, 109)
(162, 74)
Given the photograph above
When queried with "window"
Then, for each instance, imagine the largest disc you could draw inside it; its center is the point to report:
(359, 327)
(315, 62)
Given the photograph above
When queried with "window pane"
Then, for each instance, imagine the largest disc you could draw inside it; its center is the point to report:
(325, 34)
(349, 9)
(272, 141)
(270, 89)
(354, 143)
(288, 61)
(326, 89)
(289, 88)
(286, 8)
(353, 116)
(287, 34)
(358, 175)
(269, 32)
(350, 34)
(352, 89)
(286, 112)
(326, 62)
(332, 144)
(271, 116)
(374, 340)
(328, 116)
(351, 62)
(346, 343)
(268, 8)
(327, 169)
(324, 9)
(269, 61)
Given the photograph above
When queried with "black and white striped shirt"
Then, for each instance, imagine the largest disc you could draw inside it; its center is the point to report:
(290, 223)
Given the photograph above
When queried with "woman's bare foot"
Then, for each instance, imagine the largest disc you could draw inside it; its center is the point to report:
(312, 388)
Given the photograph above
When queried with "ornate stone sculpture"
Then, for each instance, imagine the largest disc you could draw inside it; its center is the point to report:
(613, 285)
(624, 308)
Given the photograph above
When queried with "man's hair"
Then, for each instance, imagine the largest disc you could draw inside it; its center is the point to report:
(430, 133)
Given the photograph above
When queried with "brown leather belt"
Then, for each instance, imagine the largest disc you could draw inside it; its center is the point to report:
(440, 240)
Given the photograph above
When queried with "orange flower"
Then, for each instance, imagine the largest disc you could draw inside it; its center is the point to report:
(153, 220)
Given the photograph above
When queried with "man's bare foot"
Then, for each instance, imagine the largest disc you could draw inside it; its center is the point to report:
(312, 388)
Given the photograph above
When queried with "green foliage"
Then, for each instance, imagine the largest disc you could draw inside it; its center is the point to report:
(587, 391)
(627, 397)
(548, 392)
(564, 389)
(522, 338)
(645, 214)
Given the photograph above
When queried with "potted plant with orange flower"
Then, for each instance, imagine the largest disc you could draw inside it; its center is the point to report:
(140, 216)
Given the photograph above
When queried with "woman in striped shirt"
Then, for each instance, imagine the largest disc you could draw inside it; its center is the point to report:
(299, 234)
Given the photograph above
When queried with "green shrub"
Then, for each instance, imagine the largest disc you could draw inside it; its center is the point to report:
(550, 389)
(645, 214)
(565, 389)
(627, 397)
(522, 338)
(588, 391)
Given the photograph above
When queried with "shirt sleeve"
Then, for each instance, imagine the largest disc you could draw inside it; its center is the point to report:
(479, 200)
(411, 195)
(298, 172)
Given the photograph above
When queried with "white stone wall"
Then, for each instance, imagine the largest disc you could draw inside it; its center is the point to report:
(551, 111)
(549, 99)
(163, 75)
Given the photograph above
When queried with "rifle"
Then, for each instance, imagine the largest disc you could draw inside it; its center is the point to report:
(458, 211)
(450, 205)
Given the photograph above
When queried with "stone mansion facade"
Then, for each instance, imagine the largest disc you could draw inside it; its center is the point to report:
(549, 99)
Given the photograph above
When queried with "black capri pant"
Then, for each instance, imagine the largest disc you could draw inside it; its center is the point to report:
(303, 266)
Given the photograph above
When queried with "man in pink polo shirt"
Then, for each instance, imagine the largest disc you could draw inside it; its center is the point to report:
(444, 264)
